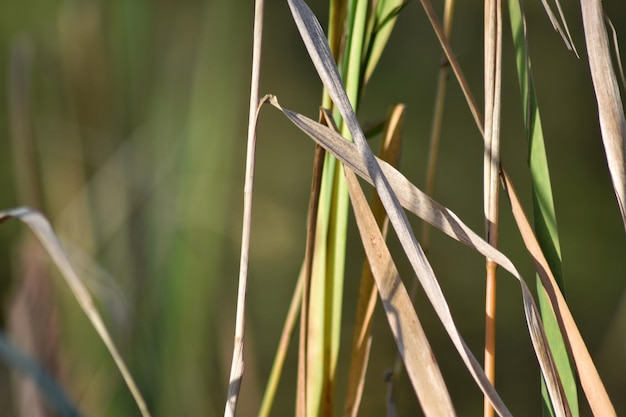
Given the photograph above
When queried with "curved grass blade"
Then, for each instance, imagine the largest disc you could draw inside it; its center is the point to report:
(42, 229)
(610, 108)
(592, 385)
(48, 387)
(590, 380)
(565, 35)
(362, 339)
(545, 225)
(438, 216)
(412, 343)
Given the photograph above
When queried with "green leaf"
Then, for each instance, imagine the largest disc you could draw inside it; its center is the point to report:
(543, 208)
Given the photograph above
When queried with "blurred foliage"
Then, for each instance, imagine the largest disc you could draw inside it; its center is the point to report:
(124, 123)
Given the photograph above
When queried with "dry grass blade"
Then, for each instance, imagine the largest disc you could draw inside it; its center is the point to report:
(454, 63)
(491, 164)
(437, 121)
(438, 216)
(313, 37)
(618, 57)
(42, 229)
(610, 108)
(317, 48)
(362, 339)
(237, 366)
(565, 35)
(412, 343)
(590, 380)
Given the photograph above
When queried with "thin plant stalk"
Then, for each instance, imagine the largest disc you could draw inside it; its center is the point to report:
(437, 122)
(493, 58)
(433, 157)
(281, 352)
(326, 291)
(237, 367)
(318, 164)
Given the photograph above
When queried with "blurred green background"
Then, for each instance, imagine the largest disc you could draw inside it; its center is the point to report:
(124, 122)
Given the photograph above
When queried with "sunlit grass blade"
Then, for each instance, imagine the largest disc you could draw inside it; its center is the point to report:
(543, 205)
(590, 380)
(351, 69)
(610, 107)
(347, 31)
(425, 208)
(618, 56)
(362, 339)
(565, 35)
(412, 343)
(42, 229)
(381, 24)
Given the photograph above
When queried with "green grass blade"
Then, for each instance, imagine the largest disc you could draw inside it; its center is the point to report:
(326, 295)
(543, 206)
(382, 22)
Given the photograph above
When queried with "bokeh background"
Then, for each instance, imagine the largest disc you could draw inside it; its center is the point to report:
(124, 122)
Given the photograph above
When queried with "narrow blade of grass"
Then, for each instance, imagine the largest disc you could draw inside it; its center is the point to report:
(381, 24)
(590, 380)
(543, 205)
(610, 107)
(42, 229)
(454, 63)
(427, 209)
(390, 152)
(237, 366)
(565, 35)
(618, 57)
(437, 122)
(413, 345)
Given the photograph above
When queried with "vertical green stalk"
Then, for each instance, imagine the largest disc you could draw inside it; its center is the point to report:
(365, 37)
(543, 208)
(326, 293)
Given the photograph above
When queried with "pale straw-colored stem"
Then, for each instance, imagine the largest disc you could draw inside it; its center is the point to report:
(237, 367)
